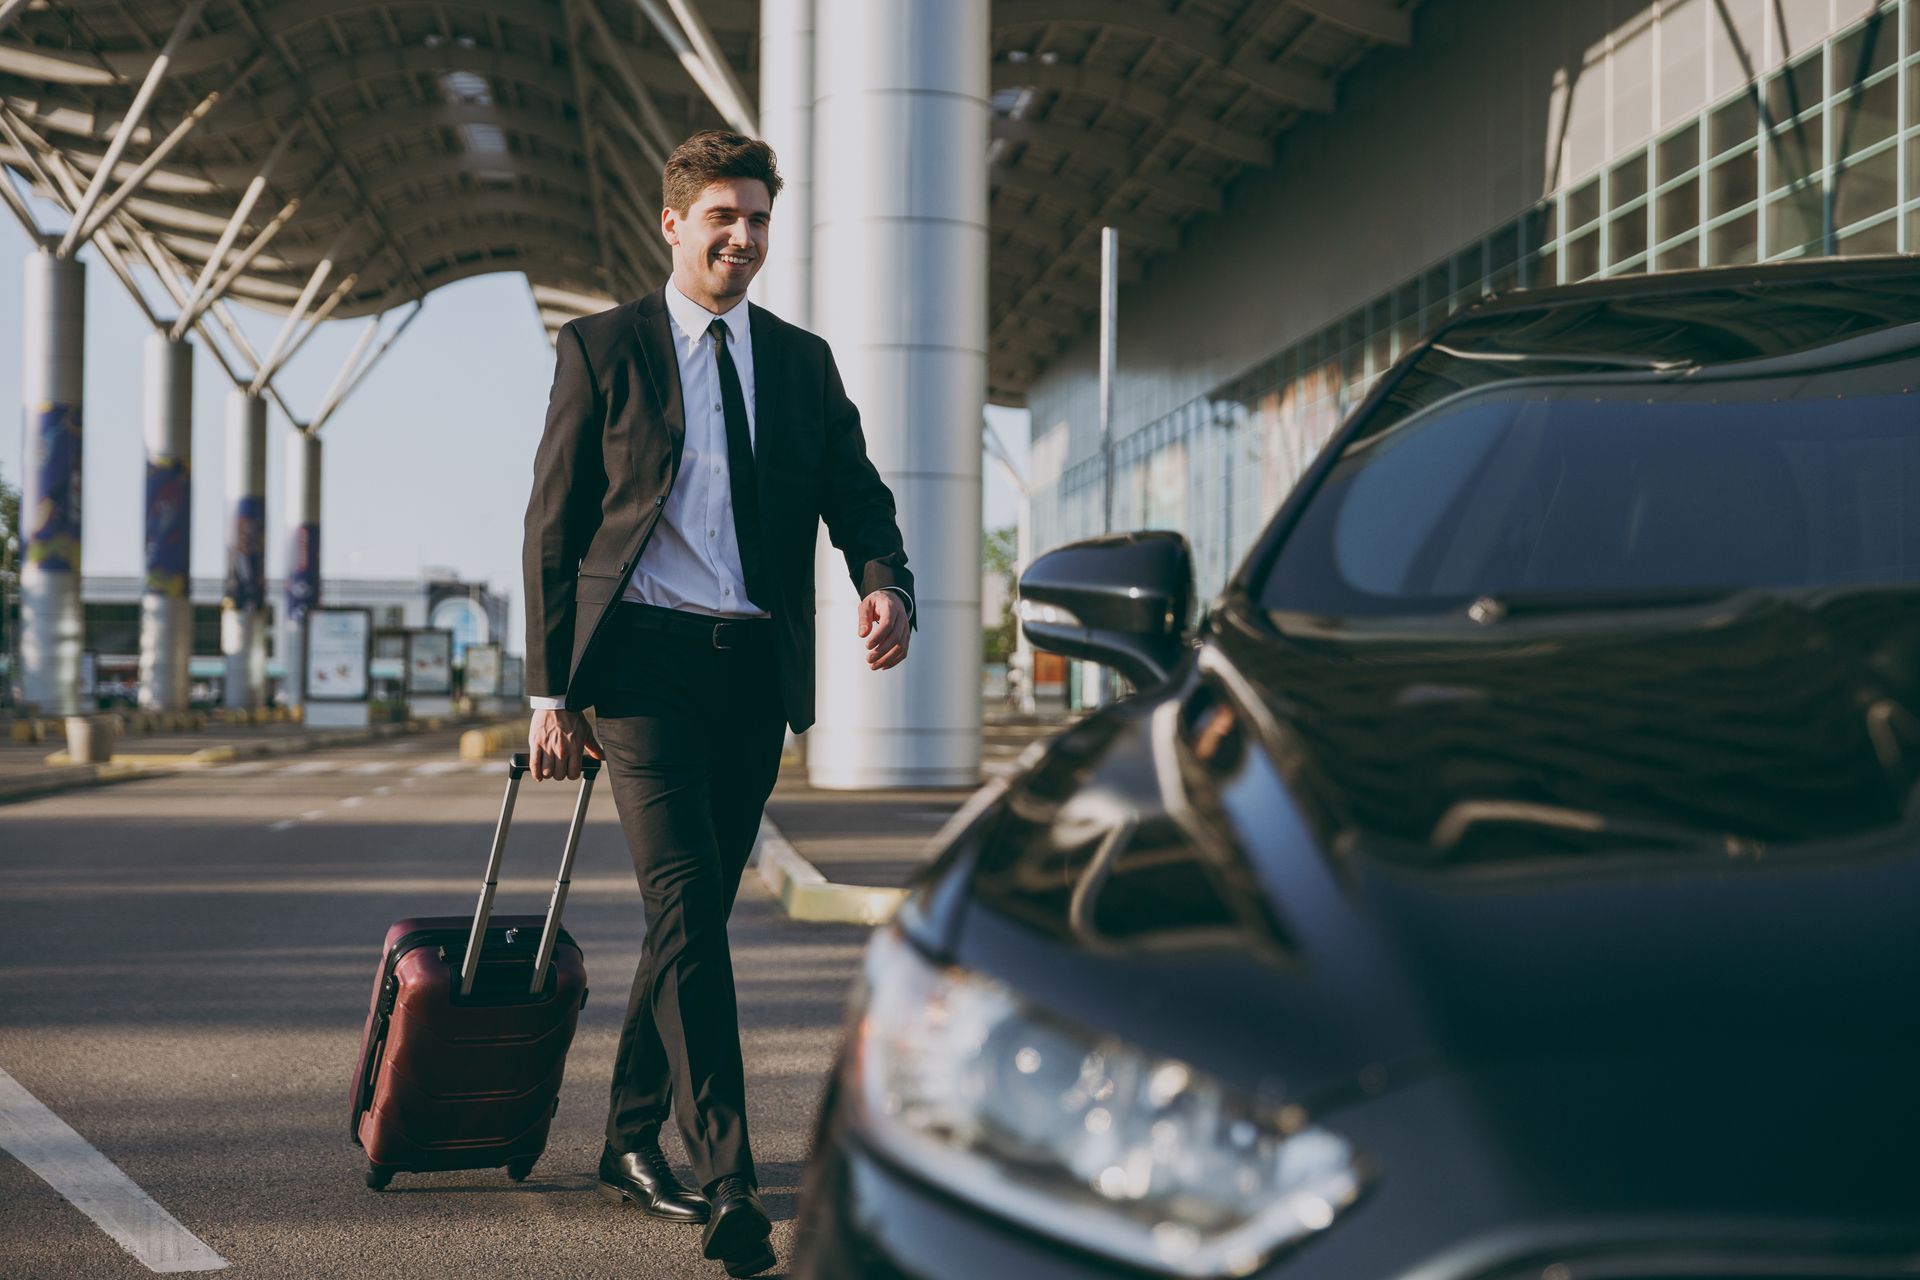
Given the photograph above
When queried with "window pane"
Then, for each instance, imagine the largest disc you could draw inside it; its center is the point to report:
(1866, 187)
(1679, 152)
(1503, 248)
(1678, 210)
(1868, 116)
(1681, 256)
(1629, 181)
(1538, 226)
(1881, 237)
(1732, 183)
(1583, 204)
(1733, 124)
(1793, 222)
(1628, 235)
(1795, 90)
(1437, 286)
(1583, 256)
(1543, 269)
(1735, 242)
(1876, 42)
(1467, 272)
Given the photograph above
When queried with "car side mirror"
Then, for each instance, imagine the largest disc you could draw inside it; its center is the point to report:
(1122, 601)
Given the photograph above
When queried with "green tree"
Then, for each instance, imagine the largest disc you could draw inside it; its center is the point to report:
(999, 557)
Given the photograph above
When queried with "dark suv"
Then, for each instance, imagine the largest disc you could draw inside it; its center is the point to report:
(1518, 874)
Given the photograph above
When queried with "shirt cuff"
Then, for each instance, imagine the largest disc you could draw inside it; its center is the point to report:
(901, 592)
(547, 704)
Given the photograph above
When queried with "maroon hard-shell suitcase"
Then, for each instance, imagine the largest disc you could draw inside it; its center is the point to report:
(467, 1035)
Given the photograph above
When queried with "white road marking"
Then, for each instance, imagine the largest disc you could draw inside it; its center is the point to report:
(353, 802)
(310, 766)
(383, 791)
(311, 814)
(249, 766)
(430, 767)
(371, 766)
(93, 1184)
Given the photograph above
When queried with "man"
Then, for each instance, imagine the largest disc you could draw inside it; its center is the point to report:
(693, 444)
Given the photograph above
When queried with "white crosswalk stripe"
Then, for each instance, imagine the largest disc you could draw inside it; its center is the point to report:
(311, 766)
(46, 1144)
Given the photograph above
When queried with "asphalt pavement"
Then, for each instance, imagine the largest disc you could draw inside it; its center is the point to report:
(185, 965)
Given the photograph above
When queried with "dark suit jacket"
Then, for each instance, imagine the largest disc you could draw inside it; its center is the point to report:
(614, 434)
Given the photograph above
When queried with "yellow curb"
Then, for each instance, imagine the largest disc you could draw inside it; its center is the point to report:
(805, 894)
(215, 755)
(26, 731)
(141, 760)
(489, 741)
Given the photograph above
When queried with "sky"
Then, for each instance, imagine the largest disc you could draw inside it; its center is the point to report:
(427, 465)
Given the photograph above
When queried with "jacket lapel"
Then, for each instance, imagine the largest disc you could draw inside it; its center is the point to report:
(767, 403)
(653, 326)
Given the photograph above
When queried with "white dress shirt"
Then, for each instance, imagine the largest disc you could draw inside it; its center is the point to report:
(692, 560)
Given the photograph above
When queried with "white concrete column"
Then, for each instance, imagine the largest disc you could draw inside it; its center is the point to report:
(900, 122)
(303, 559)
(54, 328)
(785, 284)
(243, 634)
(166, 606)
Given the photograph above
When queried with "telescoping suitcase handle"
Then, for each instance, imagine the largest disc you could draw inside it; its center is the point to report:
(470, 965)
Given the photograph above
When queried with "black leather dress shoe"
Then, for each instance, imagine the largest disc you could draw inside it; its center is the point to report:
(738, 1230)
(644, 1177)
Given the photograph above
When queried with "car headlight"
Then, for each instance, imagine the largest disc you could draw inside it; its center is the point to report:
(1078, 1136)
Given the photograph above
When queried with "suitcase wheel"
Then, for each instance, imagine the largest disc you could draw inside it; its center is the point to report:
(378, 1178)
(519, 1169)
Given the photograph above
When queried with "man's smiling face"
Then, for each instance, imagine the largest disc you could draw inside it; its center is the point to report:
(720, 241)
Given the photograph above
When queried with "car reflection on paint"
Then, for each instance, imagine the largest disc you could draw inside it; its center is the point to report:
(1516, 876)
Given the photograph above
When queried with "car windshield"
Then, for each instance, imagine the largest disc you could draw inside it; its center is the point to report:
(1626, 489)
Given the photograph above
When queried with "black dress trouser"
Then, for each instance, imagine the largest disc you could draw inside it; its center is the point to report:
(692, 736)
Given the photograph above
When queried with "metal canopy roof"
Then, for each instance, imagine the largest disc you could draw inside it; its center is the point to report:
(382, 148)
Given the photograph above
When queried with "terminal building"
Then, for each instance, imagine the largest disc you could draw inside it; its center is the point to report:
(1506, 144)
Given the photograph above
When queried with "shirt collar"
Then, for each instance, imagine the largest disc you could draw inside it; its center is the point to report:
(692, 319)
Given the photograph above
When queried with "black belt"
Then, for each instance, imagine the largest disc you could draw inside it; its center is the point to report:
(720, 633)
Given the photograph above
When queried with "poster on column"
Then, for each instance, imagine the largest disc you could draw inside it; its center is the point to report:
(513, 676)
(430, 662)
(483, 670)
(339, 654)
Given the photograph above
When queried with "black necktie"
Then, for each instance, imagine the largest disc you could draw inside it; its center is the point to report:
(746, 503)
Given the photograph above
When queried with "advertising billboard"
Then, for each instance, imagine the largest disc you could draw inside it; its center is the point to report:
(339, 654)
(430, 662)
(483, 670)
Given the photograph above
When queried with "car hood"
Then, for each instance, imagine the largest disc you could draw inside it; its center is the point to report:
(1275, 907)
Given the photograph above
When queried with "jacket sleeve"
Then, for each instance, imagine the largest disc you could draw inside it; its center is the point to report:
(569, 481)
(857, 505)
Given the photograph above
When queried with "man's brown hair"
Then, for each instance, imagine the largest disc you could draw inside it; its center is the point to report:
(711, 156)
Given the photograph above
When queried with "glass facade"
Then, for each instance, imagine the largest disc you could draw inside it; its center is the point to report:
(1821, 157)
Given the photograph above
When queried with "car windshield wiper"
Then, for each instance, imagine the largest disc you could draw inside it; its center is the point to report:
(1489, 609)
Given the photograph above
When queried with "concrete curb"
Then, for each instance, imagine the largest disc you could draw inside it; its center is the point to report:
(805, 894)
(57, 778)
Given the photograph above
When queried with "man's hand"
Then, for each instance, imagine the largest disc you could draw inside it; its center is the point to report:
(556, 740)
(883, 621)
